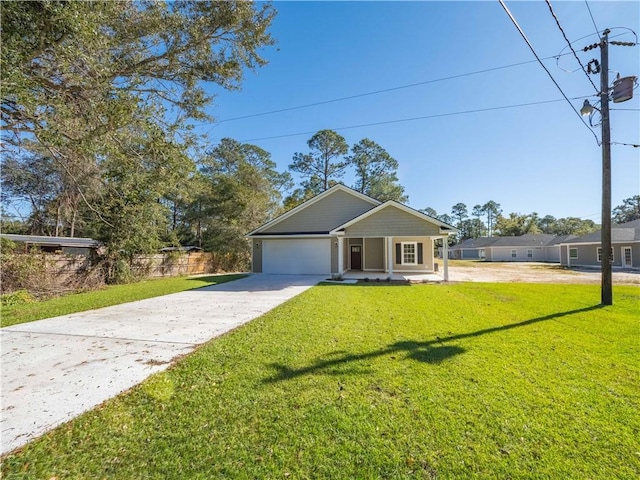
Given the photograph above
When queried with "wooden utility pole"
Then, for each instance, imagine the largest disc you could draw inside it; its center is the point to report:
(606, 282)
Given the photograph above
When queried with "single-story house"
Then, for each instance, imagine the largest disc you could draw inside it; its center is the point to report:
(342, 230)
(64, 245)
(586, 251)
(471, 248)
(523, 248)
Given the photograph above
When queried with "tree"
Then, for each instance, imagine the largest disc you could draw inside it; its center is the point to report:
(628, 211)
(376, 171)
(243, 190)
(492, 210)
(572, 226)
(459, 213)
(106, 88)
(322, 162)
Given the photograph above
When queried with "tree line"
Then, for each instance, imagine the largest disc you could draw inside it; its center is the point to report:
(488, 220)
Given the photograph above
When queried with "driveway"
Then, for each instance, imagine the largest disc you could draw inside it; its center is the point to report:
(55, 369)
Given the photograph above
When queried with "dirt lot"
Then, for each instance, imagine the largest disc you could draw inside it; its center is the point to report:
(470, 271)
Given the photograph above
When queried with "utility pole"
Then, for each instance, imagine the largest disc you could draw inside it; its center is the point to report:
(606, 282)
(622, 91)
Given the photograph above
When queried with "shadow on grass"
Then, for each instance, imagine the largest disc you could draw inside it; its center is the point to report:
(431, 352)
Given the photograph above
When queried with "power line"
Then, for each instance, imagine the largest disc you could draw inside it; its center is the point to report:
(425, 117)
(591, 15)
(376, 92)
(513, 20)
(634, 145)
(570, 46)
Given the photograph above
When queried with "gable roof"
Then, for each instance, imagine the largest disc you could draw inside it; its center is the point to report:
(399, 206)
(527, 240)
(626, 232)
(372, 202)
(480, 242)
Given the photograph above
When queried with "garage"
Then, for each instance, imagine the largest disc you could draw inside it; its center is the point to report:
(297, 256)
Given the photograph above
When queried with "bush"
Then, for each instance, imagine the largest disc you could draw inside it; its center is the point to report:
(16, 298)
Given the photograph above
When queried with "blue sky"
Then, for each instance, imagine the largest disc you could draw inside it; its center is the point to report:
(538, 158)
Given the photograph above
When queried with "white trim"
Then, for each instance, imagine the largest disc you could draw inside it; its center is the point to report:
(445, 254)
(415, 253)
(311, 201)
(399, 206)
(298, 235)
(623, 258)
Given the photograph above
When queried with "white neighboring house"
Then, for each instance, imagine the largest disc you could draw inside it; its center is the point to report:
(586, 251)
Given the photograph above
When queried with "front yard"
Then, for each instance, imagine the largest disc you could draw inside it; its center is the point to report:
(378, 381)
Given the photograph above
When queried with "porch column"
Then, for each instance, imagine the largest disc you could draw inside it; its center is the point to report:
(445, 255)
(390, 255)
(340, 255)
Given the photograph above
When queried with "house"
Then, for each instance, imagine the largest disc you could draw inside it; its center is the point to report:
(64, 245)
(471, 248)
(524, 248)
(586, 251)
(342, 230)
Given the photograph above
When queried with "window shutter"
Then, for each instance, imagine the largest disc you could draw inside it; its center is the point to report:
(420, 260)
(398, 253)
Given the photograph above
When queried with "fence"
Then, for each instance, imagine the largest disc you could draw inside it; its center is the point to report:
(45, 274)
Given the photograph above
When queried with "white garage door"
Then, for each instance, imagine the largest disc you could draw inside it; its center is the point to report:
(304, 256)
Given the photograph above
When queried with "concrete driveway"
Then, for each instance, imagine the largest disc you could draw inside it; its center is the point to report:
(55, 369)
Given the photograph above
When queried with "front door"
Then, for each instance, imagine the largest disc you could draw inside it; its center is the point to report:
(356, 257)
(626, 257)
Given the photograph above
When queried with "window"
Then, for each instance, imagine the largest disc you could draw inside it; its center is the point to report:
(410, 253)
(529, 253)
(514, 253)
(573, 253)
(600, 254)
(482, 253)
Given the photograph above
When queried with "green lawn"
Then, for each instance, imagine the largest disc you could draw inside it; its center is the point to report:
(111, 295)
(451, 381)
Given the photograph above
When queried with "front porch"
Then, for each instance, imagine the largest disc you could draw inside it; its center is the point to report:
(379, 258)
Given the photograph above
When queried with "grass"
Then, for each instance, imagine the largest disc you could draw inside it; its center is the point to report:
(453, 381)
(111, 295)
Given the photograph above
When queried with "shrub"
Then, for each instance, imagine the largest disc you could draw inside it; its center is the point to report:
(16, 298)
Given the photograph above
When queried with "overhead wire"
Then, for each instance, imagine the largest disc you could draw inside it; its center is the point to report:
(376, 92)
(515, 23)
(591, 15)
(570, 46)
(411, 119)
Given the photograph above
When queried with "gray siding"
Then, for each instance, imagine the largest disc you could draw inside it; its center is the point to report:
(588, 255)
(374, 254)
(392, 221)
(323, 215)
(503, 254)
(256, 256)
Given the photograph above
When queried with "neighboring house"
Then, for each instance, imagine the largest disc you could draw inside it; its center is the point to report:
(342, 230)
(64, 245)
(524, 248)
(472, 248)
(586, 251)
